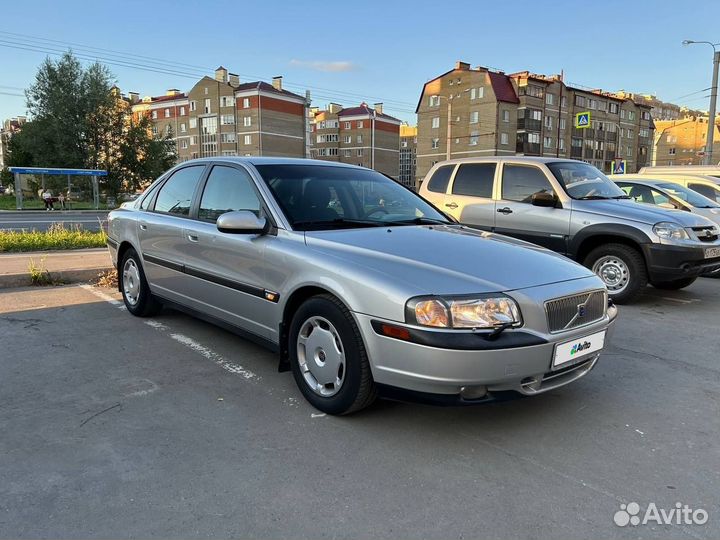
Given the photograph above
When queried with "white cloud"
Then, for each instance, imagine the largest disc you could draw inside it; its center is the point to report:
(323, 65)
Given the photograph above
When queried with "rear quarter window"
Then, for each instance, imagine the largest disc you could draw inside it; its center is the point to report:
(439, 181)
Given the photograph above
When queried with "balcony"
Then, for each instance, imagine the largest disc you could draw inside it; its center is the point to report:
(575, 152)
(611, 136)
(527, 148)
(529, 124)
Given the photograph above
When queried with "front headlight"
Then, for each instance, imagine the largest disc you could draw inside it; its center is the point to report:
(670, 231)
(463, 312)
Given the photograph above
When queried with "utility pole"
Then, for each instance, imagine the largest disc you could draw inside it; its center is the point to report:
(709, 140)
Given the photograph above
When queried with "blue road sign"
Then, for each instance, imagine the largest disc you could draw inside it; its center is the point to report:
(619, 166)
(582, 120)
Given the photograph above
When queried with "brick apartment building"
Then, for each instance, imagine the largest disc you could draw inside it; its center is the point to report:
(8, 128)
(360, 135)
(472, 112)
(221, 116)
(682, 141)
(408, 152)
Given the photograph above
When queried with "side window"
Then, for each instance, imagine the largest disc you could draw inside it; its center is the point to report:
(475, 179)
(439, 181)
(145, 203)
(661, 198)
(520, 183)
(708, 191)
(176, 195)
(227, 189)
(642, 194)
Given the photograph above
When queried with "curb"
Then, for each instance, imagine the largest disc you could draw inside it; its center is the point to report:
(8, 281)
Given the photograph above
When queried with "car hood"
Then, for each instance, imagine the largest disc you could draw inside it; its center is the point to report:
(447, 259)
(634, 211)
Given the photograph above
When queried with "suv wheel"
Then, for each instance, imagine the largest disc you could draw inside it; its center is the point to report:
(134, 287)
(328, 357)
(675, 284)
(622, 269)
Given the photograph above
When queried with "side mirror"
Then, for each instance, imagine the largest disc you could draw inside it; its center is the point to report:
(544, 199)
(241, 222)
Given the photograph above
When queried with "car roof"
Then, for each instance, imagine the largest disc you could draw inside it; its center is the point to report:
(513, 159)
(257, 160)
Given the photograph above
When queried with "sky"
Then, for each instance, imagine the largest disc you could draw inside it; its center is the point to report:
(376, 51)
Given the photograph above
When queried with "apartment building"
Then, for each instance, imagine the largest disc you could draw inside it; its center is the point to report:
(468, 112)
(660, 110)
(221, 116)
(361, 135)
(683, 141)
(7, 130)
(408, 152)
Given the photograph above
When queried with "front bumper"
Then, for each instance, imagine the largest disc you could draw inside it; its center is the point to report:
(476, 374)
(668, 262)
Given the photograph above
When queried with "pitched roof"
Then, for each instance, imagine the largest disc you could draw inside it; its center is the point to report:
(503, 88)
(265, 87)
(365, 109)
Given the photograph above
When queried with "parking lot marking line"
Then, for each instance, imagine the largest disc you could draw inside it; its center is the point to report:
(157, 325)
(681, 300)
(214, 357)
(109, 299)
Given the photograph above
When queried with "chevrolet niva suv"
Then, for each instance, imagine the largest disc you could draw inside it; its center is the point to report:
(570, 207)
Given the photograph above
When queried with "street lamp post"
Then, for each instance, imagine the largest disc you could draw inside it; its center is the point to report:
(709, 140)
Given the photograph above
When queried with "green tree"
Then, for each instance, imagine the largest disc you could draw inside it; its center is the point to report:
(144, 157)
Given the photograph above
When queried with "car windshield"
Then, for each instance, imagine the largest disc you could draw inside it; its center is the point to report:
(583, 181)
(315, 197)
(688, 195)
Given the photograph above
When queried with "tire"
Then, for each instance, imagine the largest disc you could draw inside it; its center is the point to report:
(328, 357)
(134, 287)
(675, 284)
(622, 269)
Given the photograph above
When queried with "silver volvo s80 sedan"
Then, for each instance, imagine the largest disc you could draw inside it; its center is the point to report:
(362, 286)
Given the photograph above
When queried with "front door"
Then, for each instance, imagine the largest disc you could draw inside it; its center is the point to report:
(228, 272)
(515, 215)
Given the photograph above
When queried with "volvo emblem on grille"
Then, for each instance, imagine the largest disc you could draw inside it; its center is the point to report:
(581, 310)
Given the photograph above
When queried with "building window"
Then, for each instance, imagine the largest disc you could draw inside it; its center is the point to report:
(192, 140)
(628, 151)
(193, 106)
(536, 114)
(562, 123)
(183, 129)
(506, 116)
(359, 139)
(247, 121)
(547, 142)
(602, 105)
(246, 103)
(154, 130)
(436, 122)
(207, 106)
(623, 113)
(534, 91)
(347, 153)
(474, 138)
(359, 152)
(534, 138)
(154, 115)
(549, 99)
(671, 151)
(182, 111)
(561, 144)
(227, 137)
(360, 124)
(592, 103)
(226, 101)
(348, 139)
(347, 125)
(434, 101)
(474, 117)
(206, 90)
(644, 132)
(504, 138)
(167, 113)
(613, 108)
(563, 101)
(183, 144)
(580, 101)
(193, 123)
(645, 115)
(548, 121)
(631, 115)
(247, 139)
(227, 119)
(435, 143)
(477, 93)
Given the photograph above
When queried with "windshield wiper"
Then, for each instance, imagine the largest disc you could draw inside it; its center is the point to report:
(337, 223)
(616, 197)
(592, 198)
(418, 221)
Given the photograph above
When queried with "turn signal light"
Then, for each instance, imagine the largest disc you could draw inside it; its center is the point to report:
(396, 332)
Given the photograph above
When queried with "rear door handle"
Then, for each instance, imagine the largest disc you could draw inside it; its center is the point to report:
(192, 237)
(505, 210)
(452, 205)
(143, 226)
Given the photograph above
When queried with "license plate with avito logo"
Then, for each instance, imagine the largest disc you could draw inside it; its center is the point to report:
(578, 348)
(712, 253)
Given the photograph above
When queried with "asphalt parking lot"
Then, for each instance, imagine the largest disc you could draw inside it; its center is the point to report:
(113, 426)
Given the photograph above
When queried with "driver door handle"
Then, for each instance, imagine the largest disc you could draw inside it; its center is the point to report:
(452, 205)
(505, 210)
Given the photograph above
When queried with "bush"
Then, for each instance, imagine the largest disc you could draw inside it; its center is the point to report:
(56, 237)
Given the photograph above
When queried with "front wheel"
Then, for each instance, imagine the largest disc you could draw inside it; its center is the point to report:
(622, 269)
(675, 284)
(328, 358)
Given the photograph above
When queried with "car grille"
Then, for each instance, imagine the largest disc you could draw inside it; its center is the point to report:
(578, 310)
(706, 234)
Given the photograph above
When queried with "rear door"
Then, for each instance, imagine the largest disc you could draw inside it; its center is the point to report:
(515, 215)
(708, 190)
(470, 198)
(435, 188)
(160, 232)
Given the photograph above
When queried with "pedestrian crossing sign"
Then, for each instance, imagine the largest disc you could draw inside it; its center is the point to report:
(582, 120)
(619, 166)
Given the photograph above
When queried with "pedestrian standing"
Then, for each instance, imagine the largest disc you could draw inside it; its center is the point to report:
(61, 200)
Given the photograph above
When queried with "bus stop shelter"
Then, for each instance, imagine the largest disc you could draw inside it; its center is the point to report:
(43, 172)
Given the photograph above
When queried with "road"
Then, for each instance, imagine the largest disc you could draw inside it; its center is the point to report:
(115, 426)
(41, 221)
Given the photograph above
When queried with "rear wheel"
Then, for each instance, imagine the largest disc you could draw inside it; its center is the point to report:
(622, 269)
(328, 357)
(134, 287)
(675, 284)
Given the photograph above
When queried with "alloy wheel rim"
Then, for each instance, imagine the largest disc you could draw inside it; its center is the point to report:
(614, 273)
(321, 356)
(131, 282)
